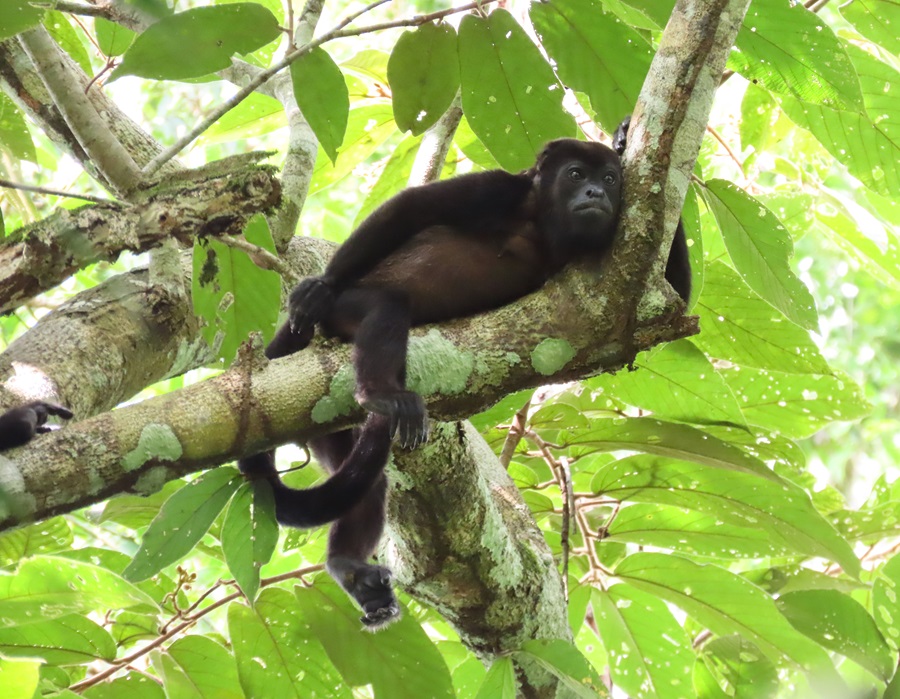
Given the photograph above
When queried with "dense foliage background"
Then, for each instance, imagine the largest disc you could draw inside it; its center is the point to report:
(731, 512)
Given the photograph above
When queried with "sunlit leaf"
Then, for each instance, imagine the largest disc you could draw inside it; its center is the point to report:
(48, 587)
(196, 667)
(249, 534)
(737, 325)
(400, 662)
(761, 249)
(232, 293)
(213, 34)
(321, 94)
(424, 76)
(637, 629)
(784, 511)
(595, 53)
(185, 517)
(788, 49)
(69, 640)
(724, 603)
(510, 96)
(839, 623)
(17, 16)
(276, 654)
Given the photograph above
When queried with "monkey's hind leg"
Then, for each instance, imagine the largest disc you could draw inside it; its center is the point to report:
(354, 537)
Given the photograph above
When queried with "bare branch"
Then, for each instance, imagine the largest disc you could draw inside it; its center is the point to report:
(113, 160)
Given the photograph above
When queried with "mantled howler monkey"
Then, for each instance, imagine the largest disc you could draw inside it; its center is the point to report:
(18, 425)
(431, 253)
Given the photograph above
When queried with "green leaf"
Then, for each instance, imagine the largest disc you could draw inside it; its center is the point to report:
(638, 630)
(875, 246)
(394, 177)
(70, 41)
(595, 53)
(566, 663)
(761, 249)
(368, 127)
(795, 405)
(14, 134)
(17, 16)
(136, 511)
(878, 20)
(676, 382)
(196, 667)
(276, 654)
(197, 42)
(652, 436)
(510, 96)
(839, 623)
(866, 142)
(748, 672)
(500, 682)
(692, 533)
(182, 521)
(48, 587)
(113, 39)
(234, 295)
(69, 640)
(19, 678)
(249, 535)
(737, 325)
(788, 49)
(400, 662)
(783, 510)
(725, 603)
(49, 536)
(321, 94)
(886, 601)
(254, 116)
(423, 72)
(135, 685)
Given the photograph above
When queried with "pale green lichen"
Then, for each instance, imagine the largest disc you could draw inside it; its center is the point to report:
(151, 480)
(436, 365)
(551, 355)
(339, 400)
(157, 441)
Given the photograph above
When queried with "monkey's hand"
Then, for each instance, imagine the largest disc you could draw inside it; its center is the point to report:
(620, 137)
(310, 301)
(18, 425)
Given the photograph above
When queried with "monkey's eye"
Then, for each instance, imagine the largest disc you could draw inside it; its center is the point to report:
(576, 174)
(609, 178)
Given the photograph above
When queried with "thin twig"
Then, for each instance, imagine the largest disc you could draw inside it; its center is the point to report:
(715, 135)
(6, 184)
(260, 256)
(337, 33)
(515, 434)
(158, 641)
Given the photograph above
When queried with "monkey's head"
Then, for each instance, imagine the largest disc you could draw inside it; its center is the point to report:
(579, 191)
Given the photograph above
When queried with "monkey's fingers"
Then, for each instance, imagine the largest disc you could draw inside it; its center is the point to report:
(309, 302)
(42, 410)
(620, 137)
(412, 421)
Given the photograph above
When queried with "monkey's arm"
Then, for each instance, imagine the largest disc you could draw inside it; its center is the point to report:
(460, 202)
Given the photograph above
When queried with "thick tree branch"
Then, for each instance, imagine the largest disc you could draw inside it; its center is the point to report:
(666, 130)
(113, 160)
(461, 538)
(38, 257)
(21, 82)
(559, 334)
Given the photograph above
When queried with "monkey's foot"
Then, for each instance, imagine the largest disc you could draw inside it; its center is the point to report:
(409, 419)
(370, 586)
